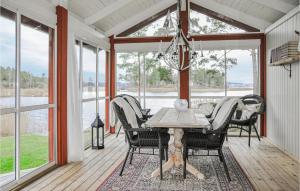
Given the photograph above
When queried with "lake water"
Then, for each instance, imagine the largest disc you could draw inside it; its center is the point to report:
(37, 121)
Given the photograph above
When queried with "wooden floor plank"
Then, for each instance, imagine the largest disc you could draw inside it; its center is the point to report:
(267, 167)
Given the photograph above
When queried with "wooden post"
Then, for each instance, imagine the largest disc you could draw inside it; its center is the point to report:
(62, 60)
(112, 73)
(184, 75)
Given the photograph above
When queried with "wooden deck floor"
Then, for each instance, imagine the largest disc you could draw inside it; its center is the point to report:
(267, 167)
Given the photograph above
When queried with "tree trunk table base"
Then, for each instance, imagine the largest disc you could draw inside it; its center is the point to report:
(176, 159)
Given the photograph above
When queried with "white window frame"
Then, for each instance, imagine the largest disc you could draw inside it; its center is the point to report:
(18, 109)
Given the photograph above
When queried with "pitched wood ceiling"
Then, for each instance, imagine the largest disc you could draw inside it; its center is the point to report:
(115, 16)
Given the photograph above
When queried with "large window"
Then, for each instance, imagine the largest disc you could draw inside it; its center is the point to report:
(26, 96)
(151, 81)
(92, 63)
(222, 73)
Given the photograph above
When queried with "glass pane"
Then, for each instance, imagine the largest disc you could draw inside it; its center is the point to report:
(160, 79)
(88, 116)
(101, 73)
(242, 77)
(35, 58)
(101, 109)
(7, 62)
(208, 74)
(157, 28)
(203, 24)
(7, 148)
(35, 143)
(89, 71)
(128, 70)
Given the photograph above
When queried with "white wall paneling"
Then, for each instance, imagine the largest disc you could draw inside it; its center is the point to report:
(283, 92)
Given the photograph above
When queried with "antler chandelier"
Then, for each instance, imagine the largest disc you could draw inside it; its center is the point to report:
(174, 54)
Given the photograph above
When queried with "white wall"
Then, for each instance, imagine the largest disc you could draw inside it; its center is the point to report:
(283, 92)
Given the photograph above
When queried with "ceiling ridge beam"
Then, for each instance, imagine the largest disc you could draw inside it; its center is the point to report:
(139, 17)
(106, 11)
(278, 5)
(234, 14)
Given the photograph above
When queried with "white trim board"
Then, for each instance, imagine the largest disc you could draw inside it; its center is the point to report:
(206, 45)
(87, 33)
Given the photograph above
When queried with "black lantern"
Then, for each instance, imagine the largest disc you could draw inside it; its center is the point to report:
(98, 126)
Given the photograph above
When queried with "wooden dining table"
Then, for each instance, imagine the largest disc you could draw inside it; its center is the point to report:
(176, 121)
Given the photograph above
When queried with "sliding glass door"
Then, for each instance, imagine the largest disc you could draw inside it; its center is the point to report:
(27, 98)
(92, 63)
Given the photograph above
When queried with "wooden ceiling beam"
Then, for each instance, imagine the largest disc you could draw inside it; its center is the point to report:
(223, 18)
(147, 21)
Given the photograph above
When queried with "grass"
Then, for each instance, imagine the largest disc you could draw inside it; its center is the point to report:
(34, 152)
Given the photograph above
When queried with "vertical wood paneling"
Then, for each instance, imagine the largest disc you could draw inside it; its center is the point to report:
(283, 92)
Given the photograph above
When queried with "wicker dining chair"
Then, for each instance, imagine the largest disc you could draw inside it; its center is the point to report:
(250, 122)
(210, 139)
(145, 112)
(140, 138)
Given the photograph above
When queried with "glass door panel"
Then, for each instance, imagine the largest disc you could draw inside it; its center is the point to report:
(7, 58)
(7, 148)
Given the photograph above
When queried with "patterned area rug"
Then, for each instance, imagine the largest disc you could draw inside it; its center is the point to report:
(138, 175)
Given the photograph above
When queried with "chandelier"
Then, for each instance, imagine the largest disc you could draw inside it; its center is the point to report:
(174, 54)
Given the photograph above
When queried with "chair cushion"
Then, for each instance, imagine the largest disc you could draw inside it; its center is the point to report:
(223, 113)
(249, 110)
(218, 106)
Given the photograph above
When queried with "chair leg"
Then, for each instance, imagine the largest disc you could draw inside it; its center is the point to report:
(167, 153)
(225, 165)
(131, 156)
(220, 155)
(161, 153)
(226, 137)
(119, 130)
(250, 126)
(241, 131)
(185, 154)
(256, 132)
(124, 163)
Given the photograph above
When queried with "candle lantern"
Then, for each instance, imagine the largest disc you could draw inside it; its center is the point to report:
(98, 129)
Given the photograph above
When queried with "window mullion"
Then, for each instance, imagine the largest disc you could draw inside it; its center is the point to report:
(97, 75)
(17, 117)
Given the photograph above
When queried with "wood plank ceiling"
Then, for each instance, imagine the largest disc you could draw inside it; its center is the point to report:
(115, 16)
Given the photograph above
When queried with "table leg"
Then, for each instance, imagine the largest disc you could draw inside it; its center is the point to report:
(176, 157)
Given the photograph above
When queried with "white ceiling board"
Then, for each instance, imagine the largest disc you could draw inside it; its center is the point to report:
(85, 32)
(144, 14)
(107, 10)
(233, 13)
(279, 5)
(253, 9)
(206, 45)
